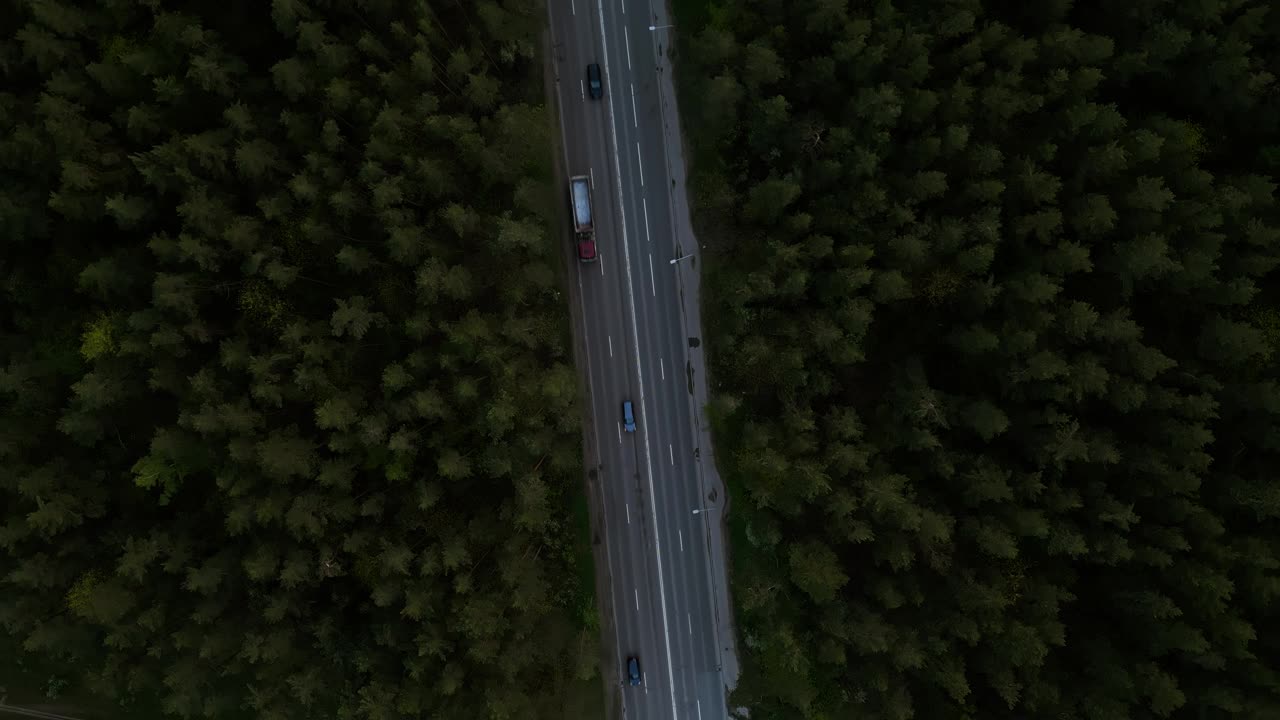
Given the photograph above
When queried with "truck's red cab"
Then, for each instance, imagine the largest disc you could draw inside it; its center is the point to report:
(586, 248)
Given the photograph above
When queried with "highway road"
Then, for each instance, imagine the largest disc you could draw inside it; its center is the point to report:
(657, 500)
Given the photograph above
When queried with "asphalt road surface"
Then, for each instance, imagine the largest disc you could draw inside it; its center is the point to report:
(657, 500)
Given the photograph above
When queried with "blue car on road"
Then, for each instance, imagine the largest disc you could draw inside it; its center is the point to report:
(628, 419)
(594, 87)
(633, 671)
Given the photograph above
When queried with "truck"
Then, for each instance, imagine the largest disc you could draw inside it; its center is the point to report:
(584, 229)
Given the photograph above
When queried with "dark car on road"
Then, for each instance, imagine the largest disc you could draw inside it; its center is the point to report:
(594, 87)
(633, 670)
(628, 418)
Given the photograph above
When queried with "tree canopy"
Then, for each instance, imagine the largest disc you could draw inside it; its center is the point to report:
(287, 415)
(993, 330)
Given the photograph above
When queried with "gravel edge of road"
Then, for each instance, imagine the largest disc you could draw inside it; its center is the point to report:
(689, 280)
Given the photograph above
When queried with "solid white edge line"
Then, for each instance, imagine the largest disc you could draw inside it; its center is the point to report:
(644, 416)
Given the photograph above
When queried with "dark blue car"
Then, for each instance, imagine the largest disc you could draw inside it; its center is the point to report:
(633, 670)
(594, 87)
(628, 419)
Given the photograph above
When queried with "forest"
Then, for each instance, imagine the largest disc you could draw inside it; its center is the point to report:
(994, 325)
(289, 424)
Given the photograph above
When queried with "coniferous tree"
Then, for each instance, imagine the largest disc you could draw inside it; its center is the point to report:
(1050, 234)
(268, 421)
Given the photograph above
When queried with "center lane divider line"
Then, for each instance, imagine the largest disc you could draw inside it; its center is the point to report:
(645, 201)
(635, 333)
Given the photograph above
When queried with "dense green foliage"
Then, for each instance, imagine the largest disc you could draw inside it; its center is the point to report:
(288, 419)
(995, 329)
